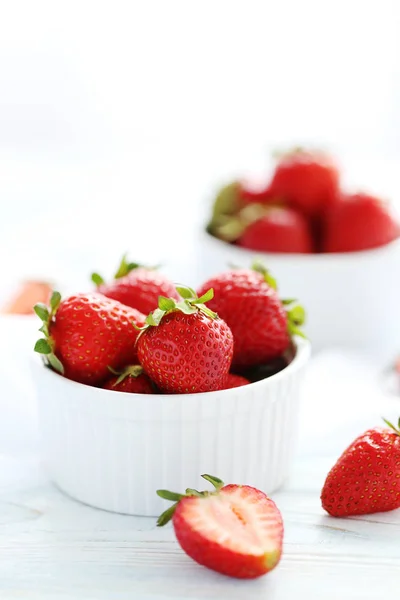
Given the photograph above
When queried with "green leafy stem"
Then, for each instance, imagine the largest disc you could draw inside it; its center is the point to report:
(45, 345)
(175, 497)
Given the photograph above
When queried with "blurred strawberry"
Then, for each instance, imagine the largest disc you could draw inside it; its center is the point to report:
(256, 195)
(30, 293)
(281, 229)
(306, 180)
(359, 222)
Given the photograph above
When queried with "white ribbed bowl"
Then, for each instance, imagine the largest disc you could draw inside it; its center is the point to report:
(350, 298)
(113, 450)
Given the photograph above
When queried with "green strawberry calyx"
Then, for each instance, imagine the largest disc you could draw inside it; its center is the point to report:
(230, 217)
(259, 267)
(230, 228)
(45, 345)
(174, 497)
(226, 205)
(393, 427)
(296, 314)
(189, 304)
(130, 371)
(124, 268)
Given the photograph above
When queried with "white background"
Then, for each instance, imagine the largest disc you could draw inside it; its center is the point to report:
(117, 119)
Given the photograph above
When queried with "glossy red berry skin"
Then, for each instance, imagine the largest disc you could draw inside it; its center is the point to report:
(359, 222)
(130, 384)
(255, 314)
(280, 230)
(187, 353)
(366, 478)
(306, 181)
(91, 333)
(140, 289)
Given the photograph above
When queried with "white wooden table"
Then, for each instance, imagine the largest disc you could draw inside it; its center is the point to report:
(53, 547)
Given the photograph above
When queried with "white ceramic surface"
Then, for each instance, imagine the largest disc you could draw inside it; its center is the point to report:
(351, 298)
(113, 450)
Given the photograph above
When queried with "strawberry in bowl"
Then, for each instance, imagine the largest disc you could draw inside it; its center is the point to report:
(131, 403)
(136, 286)
(328, 246)
(86, 335)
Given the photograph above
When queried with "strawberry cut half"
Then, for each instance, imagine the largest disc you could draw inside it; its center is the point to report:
(235, 530)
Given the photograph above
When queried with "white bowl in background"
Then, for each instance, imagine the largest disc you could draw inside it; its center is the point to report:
(351, 299)
(113, 450)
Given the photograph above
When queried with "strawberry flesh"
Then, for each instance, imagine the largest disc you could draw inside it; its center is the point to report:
(237, 532)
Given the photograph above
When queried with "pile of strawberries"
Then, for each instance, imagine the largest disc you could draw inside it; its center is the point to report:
(302, 210)
(234, 330)
(141, 334)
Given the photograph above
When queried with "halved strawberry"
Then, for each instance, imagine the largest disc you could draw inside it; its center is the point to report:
(235, 530)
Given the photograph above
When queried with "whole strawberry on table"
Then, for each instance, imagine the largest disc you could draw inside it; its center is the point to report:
(366, 478)
(302, 209)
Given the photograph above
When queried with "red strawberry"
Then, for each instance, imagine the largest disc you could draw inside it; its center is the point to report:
(136, 286)
(260, 195)
(132, 380)
(235, 530)
(185, 347)
(308, 181)
(359, 222)
(366, 478)
(235, 208)
(86, 334)
(281, 229)
(248, 301)
(233, 381)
